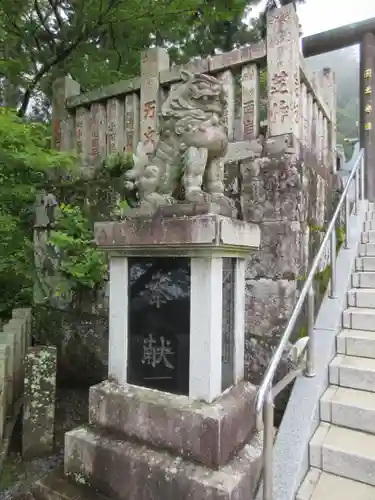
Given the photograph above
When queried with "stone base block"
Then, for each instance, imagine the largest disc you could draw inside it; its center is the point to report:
(56, 486)
(186, 235)
(207, 433)
(124, 470)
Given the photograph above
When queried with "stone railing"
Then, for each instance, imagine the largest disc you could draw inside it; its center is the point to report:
(115, 118)
(15, 338)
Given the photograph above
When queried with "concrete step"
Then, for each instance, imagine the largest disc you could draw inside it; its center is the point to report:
(349, 408)
(55, 486)
(319, 485)
(343, 452)
(369, 224)
(363, 279)
(366, 263)
(361, 297)
(359, 318)
(367, 249)
(368, 237)
(356, 343)
(370, 215)
(353, 372)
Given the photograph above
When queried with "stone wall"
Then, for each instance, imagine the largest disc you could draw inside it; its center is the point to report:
(66, 314)
(291, 198)
(15, 338)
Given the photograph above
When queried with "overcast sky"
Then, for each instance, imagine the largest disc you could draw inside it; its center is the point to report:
(322, 15)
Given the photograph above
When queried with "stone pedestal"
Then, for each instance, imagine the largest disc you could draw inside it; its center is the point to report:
(175, 419)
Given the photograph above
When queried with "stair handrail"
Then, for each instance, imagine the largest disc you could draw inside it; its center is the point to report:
(266, 392)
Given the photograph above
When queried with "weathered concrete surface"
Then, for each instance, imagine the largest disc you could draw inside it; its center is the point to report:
(56, 486)
(207, 433)
(177, 233)
(281, 253)
(39, 401)
(272, 189)
(123, 470)
(269, 304)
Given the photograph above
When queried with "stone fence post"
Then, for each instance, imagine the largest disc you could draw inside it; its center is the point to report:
(283, 72)
(153, 61)
(63, 136)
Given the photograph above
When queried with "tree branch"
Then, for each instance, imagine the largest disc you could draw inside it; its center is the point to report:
(61, 55)
(55, 9)
(44, 23)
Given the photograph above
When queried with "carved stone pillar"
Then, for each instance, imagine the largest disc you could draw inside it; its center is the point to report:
(283, 72)
(367, 112)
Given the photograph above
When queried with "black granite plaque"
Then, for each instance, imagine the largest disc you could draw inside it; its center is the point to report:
(159, 323)
(228, 322)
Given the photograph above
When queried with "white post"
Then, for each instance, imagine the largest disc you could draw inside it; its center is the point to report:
(118, 319)
(239, 321)
(206, 328)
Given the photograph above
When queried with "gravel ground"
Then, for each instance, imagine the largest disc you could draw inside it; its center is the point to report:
(18, 475)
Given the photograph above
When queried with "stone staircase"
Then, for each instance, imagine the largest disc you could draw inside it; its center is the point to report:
(342, 450)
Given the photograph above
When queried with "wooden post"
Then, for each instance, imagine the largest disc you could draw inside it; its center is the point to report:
(283, 70)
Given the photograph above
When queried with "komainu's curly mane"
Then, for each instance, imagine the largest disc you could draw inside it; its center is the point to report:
(197, 98)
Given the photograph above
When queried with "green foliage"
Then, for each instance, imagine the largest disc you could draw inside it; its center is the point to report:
(25, 161)
(80, 261)
(116, 164)
(99, 42)
(321, 279)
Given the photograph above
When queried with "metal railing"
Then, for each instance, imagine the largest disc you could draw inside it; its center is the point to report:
(267, 392)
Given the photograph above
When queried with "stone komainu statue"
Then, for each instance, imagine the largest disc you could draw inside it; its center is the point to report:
(188, 162)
